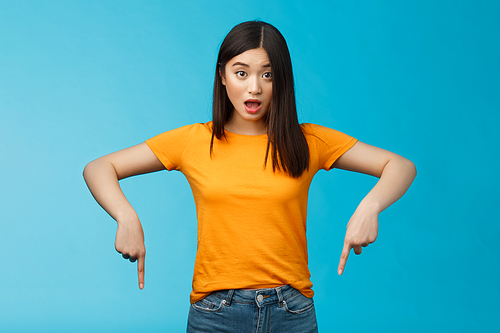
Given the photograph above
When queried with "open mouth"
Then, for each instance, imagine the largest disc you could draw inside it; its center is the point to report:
(252, 105)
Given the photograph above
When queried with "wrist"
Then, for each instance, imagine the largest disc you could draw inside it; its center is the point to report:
(371, 207)
(127, 218)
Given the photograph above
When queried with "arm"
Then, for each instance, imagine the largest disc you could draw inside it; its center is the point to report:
(396, 174)
(102, 176)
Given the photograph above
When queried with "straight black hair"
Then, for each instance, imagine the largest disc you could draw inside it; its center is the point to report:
(289, 149)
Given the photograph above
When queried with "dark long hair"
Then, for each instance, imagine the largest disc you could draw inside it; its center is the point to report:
(289, 149)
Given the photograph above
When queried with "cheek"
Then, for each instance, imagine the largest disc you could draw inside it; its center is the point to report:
(269, 93)
(232, 88)
(233, 92)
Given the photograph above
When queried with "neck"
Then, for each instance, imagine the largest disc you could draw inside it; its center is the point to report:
(238, 125)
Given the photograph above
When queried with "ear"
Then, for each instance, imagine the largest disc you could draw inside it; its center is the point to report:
(222, 78)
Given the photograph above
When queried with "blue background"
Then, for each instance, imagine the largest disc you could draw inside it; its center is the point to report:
(80, 79)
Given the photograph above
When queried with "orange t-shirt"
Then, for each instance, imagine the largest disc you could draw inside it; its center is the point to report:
(251, 220)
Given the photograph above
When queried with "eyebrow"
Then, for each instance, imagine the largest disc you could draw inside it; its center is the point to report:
(245, 65)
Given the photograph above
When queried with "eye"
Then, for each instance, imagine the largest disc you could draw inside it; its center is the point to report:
(241, 74)
(267, 75)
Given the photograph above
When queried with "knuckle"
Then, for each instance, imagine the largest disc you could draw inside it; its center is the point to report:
(355, 241)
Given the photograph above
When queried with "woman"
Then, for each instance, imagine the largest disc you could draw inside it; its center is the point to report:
(250, 171)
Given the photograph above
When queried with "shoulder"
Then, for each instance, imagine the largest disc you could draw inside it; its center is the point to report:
(327, 143)
(189, 130)
(182, 135)
(320, 132)
(170, 146)
(309, 128)
(323, 137)
(196, 128)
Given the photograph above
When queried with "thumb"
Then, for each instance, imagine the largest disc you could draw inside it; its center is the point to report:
(343, 257)
(140, 270)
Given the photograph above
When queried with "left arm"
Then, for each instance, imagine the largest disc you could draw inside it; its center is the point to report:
(396, 174)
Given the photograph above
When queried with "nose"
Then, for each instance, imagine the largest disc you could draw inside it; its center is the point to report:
(254, 87)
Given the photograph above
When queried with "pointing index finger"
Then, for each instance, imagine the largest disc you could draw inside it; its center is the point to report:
(140, 270)
(343, 257)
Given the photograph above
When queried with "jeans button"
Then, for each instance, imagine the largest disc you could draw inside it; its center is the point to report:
(260, 298)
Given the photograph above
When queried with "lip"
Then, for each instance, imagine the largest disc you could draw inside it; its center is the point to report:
(252, 110)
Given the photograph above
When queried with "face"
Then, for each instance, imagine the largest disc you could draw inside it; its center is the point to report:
(248, 82)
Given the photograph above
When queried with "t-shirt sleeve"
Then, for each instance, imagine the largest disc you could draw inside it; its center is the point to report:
(330, 144)
(169, 146)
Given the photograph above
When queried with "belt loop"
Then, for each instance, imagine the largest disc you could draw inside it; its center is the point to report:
(280, 296)
(229, 297)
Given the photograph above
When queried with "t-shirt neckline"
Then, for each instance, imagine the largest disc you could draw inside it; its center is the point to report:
(228, 133)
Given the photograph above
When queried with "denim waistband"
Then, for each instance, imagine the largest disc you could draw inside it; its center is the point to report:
(257, 296)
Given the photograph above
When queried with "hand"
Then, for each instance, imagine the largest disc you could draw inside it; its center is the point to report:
(130, 243)
(362, 230)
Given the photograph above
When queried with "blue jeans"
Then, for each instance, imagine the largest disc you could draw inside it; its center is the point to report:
(274, 310)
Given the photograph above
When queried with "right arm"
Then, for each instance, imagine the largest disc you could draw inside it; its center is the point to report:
(102, 176)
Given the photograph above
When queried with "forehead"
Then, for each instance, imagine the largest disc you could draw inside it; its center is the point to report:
(254, 57)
